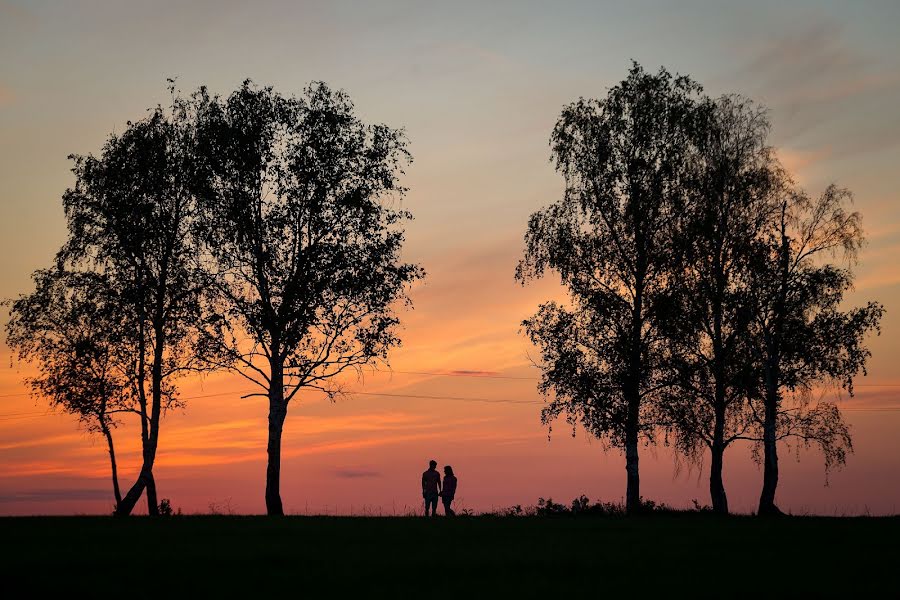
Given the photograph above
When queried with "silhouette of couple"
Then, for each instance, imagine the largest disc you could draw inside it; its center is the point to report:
(432, 489)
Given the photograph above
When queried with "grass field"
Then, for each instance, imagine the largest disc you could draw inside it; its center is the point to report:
(477, 557)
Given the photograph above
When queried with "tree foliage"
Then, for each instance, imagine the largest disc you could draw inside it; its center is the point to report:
(130, 219)
(301, 233)
(706, 292)
(71, 328)
(707, 329)
(610, 239)
(804, 337)
(700, 298)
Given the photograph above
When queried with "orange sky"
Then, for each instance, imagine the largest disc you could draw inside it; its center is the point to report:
(478, 90)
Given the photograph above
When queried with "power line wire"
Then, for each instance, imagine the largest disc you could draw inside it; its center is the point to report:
(477, 375)
(460, 398)
(26, 415)
(461, 373)
(18, 416)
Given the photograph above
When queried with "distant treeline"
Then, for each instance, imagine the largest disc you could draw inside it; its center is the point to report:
(261, 234)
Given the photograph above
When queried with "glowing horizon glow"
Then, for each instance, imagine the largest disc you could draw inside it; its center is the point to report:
(478, 89)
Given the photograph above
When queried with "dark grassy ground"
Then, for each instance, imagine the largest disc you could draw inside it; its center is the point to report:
(303, 557)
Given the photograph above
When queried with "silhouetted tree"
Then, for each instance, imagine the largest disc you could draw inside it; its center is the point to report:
(610, 238)
(708, 325)
(803, 336)
(130, 218)
(303, 241)
(69, 327)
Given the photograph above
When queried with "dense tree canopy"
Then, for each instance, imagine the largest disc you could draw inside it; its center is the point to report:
(130, 218)
(707, 327)
(804, 336)
(611, 240)
(301, 235)
(700, 297)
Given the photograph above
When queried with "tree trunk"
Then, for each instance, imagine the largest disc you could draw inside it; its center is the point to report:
(151, 440)
(720, 377)
(127, 504)
(770, 451)
(633, 486)
(152, 503)
(716, 484)
(632, 430)
(633, 398)
(277, 414)
(144, 481)
(112, 463)
(772, 397)
(134, 494)
(145, 478)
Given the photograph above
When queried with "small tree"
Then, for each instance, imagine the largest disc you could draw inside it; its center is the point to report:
(803, 336)
(302, 242)
(69, 327)
(708, 323)
(610, 238)
(130, 219)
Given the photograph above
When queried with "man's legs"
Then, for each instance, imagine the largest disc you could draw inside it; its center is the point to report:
(431, 500)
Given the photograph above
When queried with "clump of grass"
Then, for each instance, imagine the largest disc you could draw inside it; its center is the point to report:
(583, 507)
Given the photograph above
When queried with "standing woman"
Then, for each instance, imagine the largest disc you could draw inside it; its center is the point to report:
(449, 490)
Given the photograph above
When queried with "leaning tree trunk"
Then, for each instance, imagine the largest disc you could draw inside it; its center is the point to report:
(144, 481)
(277, 414)
(112, 463)
(767, 504)
(126, 506)
(717, 450)
(152, 503)
(145, 478)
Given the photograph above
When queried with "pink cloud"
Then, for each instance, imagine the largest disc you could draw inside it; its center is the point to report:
(796, 161)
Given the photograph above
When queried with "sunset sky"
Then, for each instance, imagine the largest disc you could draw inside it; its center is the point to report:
(477, 87)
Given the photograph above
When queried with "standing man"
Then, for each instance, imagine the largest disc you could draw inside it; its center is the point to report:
(431, 487)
